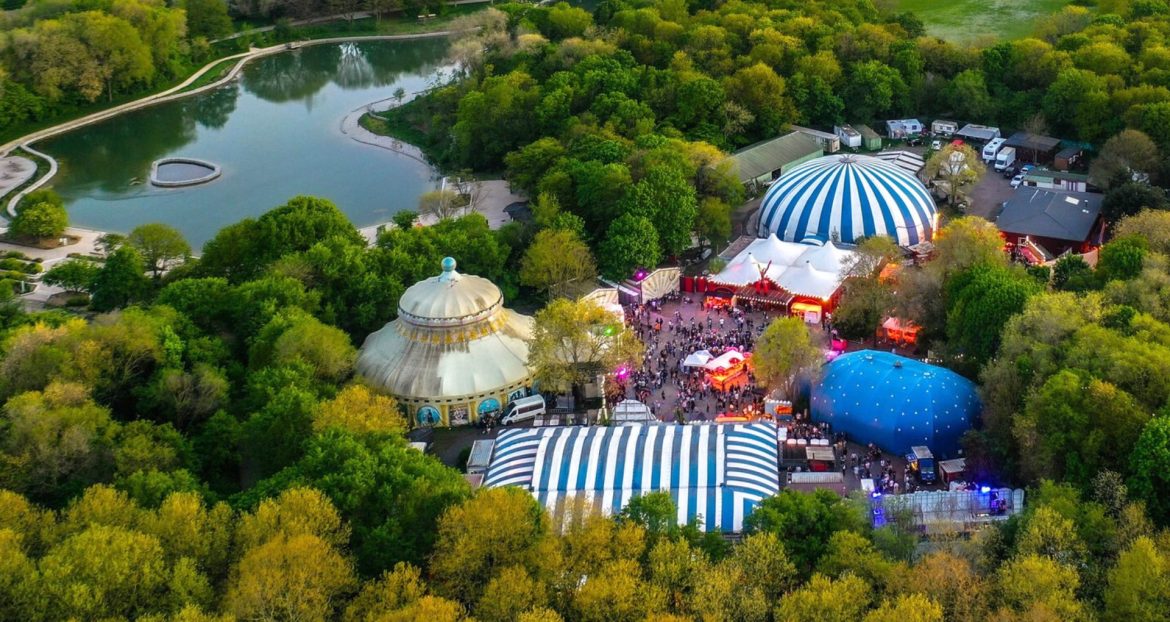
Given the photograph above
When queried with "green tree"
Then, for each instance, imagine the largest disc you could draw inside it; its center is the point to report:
(713, 221)
(1125, 154)
(1074, 426)
(865, 302)
(39, 221)
(159, 245)
(804, 523)
(980, 301)
(1150, 467)
(667, 199)
(784, 353)
(1130, 198)
(121, 281)
(392, 494)
(74, 275)
(968, 95)
(630, 242)
(1121, 258)
(207, 18)
(875, 90)
(1072, 274)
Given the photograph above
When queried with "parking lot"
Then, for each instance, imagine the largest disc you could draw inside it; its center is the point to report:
(987, 196)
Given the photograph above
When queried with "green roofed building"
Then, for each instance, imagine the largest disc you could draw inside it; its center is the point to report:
(870, 140)
(767, 160)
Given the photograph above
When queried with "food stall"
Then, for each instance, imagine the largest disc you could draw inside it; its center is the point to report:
(901, 332)
(820, 457)
(727, 369)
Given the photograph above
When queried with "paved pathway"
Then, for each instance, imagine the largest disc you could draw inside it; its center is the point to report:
(14, 171)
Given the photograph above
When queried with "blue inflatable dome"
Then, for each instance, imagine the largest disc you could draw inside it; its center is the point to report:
(895, 402)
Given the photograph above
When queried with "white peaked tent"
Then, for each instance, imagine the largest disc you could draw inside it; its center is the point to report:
(744, 270)
(727, 360)
(808, 281)
(698, 359)
(814, 270)
(829, 258)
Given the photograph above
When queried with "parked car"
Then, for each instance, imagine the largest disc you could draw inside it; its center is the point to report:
(1017, 180)
(936, 144)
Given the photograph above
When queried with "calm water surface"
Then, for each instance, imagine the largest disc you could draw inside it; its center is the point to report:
(275, 133)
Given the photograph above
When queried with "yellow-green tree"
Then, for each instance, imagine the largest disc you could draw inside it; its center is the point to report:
(508, 594)
(467, 555)
(300, 577)
(783, 353)
(907, 608)
(574, 341)
(556, 260)
(617, 593)
(1139, 585)
(359, 410)
(103, 572)
(1032, 584)
(826, 600)
(297, 511)
(955, 166)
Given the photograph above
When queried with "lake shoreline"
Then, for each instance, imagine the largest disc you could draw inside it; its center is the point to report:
(178, 92)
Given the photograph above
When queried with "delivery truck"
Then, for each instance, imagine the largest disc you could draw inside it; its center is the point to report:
(1005, 158)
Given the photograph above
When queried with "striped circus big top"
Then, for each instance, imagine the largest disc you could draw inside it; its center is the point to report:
(846, 197)
(716, 473)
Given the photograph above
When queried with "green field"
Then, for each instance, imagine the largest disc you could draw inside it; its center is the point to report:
(977, 20)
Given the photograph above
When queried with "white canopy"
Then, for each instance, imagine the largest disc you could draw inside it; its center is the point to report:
(698, 359)
(813, 270)
(724, 361)
(743, 270)
(808, 281)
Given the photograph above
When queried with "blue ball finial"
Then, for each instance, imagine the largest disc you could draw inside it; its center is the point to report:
(448, 264)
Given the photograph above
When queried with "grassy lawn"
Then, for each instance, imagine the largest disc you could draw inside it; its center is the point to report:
(974, 20)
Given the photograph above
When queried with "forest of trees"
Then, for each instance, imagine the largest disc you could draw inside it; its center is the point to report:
(202, 451)
(607, 118)
(197, 446)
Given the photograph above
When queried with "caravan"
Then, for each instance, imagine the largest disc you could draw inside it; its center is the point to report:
(992, 148)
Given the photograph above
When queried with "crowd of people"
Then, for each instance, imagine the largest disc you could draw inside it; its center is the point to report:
(675, 392)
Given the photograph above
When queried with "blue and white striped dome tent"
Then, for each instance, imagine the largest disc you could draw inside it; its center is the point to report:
(717, 473)
(896, 402)
(847, 197)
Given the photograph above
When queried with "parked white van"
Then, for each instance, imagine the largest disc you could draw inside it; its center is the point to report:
(523, 409)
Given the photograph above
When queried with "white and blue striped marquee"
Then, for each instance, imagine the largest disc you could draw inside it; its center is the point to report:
(846, 197)
(717, 473)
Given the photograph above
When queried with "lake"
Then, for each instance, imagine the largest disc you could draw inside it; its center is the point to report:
(275, 132)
